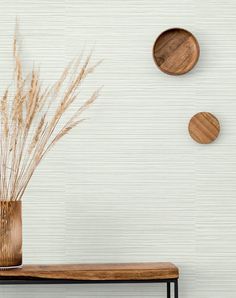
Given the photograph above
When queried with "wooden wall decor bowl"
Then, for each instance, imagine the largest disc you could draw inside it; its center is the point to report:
(204, 128)
(176, 51)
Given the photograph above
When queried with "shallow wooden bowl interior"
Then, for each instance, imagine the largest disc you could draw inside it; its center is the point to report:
(176, 51)
(204, 127)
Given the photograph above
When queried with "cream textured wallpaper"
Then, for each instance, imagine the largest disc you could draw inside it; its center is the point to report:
(130, 184)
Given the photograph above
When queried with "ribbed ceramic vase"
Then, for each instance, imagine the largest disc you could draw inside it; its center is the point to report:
(10, 234)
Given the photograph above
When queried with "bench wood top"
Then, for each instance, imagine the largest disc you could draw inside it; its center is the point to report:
(94, 272)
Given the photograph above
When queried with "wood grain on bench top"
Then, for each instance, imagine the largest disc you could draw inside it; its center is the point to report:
(126, 271)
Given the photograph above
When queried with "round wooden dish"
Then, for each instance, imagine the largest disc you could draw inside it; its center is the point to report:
(176, 51)
(204, 127)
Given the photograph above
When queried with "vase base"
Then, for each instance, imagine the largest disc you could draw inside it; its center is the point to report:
(11, 267)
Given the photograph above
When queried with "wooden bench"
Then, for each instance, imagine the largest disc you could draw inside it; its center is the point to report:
(95, 273)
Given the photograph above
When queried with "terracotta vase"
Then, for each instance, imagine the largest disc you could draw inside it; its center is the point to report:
(10, 234)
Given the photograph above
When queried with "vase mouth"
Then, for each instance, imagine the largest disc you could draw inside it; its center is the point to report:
(4, 200)
(10, 201)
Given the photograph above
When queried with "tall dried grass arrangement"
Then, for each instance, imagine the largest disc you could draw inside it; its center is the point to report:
(29, 128)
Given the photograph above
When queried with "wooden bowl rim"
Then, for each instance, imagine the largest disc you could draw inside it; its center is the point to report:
(195, 41)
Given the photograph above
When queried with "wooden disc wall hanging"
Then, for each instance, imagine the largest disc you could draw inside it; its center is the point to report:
(176, 51)
(204, 127)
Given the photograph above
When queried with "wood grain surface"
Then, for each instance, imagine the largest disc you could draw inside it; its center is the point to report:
(10, 233)
(176, 51)
(204, 128)
(126, 271)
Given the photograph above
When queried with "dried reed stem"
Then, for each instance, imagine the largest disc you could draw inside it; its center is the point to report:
(32, 120)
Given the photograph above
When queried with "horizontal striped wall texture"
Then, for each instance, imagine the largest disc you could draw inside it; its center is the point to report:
(130, 184)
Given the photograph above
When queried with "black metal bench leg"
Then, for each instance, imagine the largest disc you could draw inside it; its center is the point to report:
(168, 289)
(176, 289)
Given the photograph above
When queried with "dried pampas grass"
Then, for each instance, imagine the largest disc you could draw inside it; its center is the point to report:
(29, 128)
